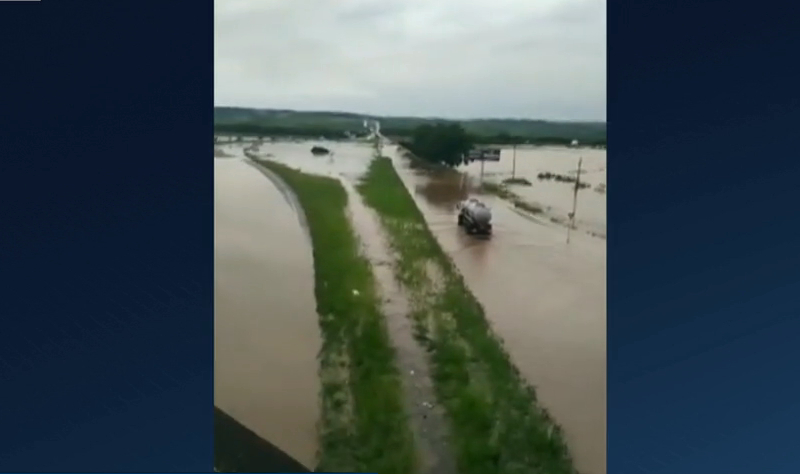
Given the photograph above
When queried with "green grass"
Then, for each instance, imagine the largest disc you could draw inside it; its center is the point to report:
(496, 424)
(364, 427)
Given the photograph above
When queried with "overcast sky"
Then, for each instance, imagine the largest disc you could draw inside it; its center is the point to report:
(446, 58)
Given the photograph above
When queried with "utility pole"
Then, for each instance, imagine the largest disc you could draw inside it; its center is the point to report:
(514, 165)
(575, 198)
(483, 161)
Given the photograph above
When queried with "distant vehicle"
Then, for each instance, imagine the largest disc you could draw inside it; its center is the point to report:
(319, 150)
(475, 217)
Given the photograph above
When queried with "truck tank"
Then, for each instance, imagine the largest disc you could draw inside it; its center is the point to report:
(475, 216)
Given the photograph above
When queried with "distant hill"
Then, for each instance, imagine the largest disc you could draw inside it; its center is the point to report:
(345, 121)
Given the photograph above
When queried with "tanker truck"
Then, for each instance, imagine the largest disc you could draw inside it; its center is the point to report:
(475, 217)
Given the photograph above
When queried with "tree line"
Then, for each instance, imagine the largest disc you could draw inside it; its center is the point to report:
(444, 142)
(448, 143)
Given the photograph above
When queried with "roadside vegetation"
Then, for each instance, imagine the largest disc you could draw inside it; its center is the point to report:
(441, 143)
(364, 427)
(496, 424)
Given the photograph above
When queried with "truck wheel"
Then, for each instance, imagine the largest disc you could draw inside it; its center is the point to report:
(460, 220)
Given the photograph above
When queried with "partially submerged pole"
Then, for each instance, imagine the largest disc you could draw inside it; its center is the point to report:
(577, 188)
(514, 163)
(575, 198)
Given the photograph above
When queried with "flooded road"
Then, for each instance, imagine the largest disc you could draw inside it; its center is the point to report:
(348, 160)
(266, 327)
(545, 298)
(555, 197)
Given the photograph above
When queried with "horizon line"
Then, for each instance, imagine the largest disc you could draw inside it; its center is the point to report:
(460, 119)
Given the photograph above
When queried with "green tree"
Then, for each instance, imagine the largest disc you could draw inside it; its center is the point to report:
(441, 143)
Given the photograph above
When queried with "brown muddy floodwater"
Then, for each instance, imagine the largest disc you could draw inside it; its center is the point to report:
(544, 297)
(347, 161)
(555, 197)
(266, 332)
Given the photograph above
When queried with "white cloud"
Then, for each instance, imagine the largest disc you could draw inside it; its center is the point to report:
(453, 58)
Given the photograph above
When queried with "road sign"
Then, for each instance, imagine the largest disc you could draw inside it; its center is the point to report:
(484, 154)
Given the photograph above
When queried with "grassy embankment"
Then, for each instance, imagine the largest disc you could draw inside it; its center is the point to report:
(363, 427)
(496, 424)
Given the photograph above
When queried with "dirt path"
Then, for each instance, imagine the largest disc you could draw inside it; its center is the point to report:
(426, 417)
(415, 392)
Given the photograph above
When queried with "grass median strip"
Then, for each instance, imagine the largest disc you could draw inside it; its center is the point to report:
(364, 427)
(496, 424)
